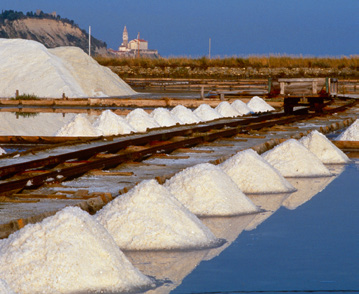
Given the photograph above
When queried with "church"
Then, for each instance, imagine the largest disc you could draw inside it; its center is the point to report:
(134, 48)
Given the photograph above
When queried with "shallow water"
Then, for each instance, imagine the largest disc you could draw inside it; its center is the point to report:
(309, 247)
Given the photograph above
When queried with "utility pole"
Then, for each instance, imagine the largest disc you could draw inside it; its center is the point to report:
(89, 40)
(209, 49)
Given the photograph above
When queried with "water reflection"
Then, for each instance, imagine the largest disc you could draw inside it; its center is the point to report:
(166, 265)
(270, 203)
(307, 188)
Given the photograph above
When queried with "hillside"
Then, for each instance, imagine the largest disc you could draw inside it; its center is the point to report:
(48, 30)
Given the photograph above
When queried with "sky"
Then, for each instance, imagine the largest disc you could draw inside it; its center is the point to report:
(235, 27)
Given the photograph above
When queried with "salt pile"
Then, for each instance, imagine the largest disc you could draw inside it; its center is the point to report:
(31, 68)
(253, 174)
(226, 110)
(207, 191)
(185, 115)
(257, 105)
(109, 123)
(241, 107)
(77, 127)
(95, 80)
(351, 133)
(4, 288)
(292, 159)
(149, 217)
(206, 112)
(326, 151)
(140, 120)
(164, 117)
(67, 253)
(2, 151)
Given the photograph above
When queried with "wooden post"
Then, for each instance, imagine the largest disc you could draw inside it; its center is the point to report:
(17, 93)
(202, 92)
(282, 85)
(314, 87)
(222, 96)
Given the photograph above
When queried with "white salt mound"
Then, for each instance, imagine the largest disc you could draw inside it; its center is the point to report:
(4, 288)
(95, 80)
(207, 191)
(31, 68)
(351, 133)
(292, 159)
(185, 115)
(326, 151)
(2, 151)
(109, 123)
(77, 127)
(140, 120)
(149, 217)
(253, 174)
(67, 253)
(258, 105)
(206, 112)
(241, 107)
(164, 117)
(226, 110)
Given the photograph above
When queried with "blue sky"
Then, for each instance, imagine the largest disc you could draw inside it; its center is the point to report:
(236, 27)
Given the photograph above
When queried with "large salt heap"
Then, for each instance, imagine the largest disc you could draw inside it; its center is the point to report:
(207, 191)
(109, 123)
(67, 253)
(241, 107)
(253, 174)
(292, 159)
(140, 120)
(95, 80)
(31, 68)
(326, 151)
(226, 110)
(149, 217)
(258, 105)
(206, 112)
(164, 117)
(351, 133)
(185, 115)
(77, 127)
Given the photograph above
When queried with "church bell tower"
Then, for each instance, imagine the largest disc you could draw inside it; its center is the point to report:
(125, 37)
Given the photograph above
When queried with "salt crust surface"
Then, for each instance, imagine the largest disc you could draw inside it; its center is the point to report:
(351, 133)
(140, 120)
(185, 115)
(109, 123)
(241, 107)
(292, 159)
(321, 146)
(4, 288)
(206, 112)
(207, 191)
(164, 117)
(257, 105)
(253, 174)
(67, 253)
(149, 217)
(226, 110)
(78, 126)
(31, 68)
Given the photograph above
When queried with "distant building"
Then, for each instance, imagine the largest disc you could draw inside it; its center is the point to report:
(133, 48)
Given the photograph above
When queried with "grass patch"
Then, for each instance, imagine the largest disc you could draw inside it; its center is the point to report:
(26, 97)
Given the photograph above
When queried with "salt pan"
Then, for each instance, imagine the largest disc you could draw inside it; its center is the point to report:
(253, 174)
(77, 127)
(109, 123)
(207, 191)
(226, 110)
(67, 253)
(149, 217)
(351, 133)
(164, 117)
(140, 120)
(241, 107)
(257, 105)
(292, 159)
(185, 115)
(326, 151)
(206, 112)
